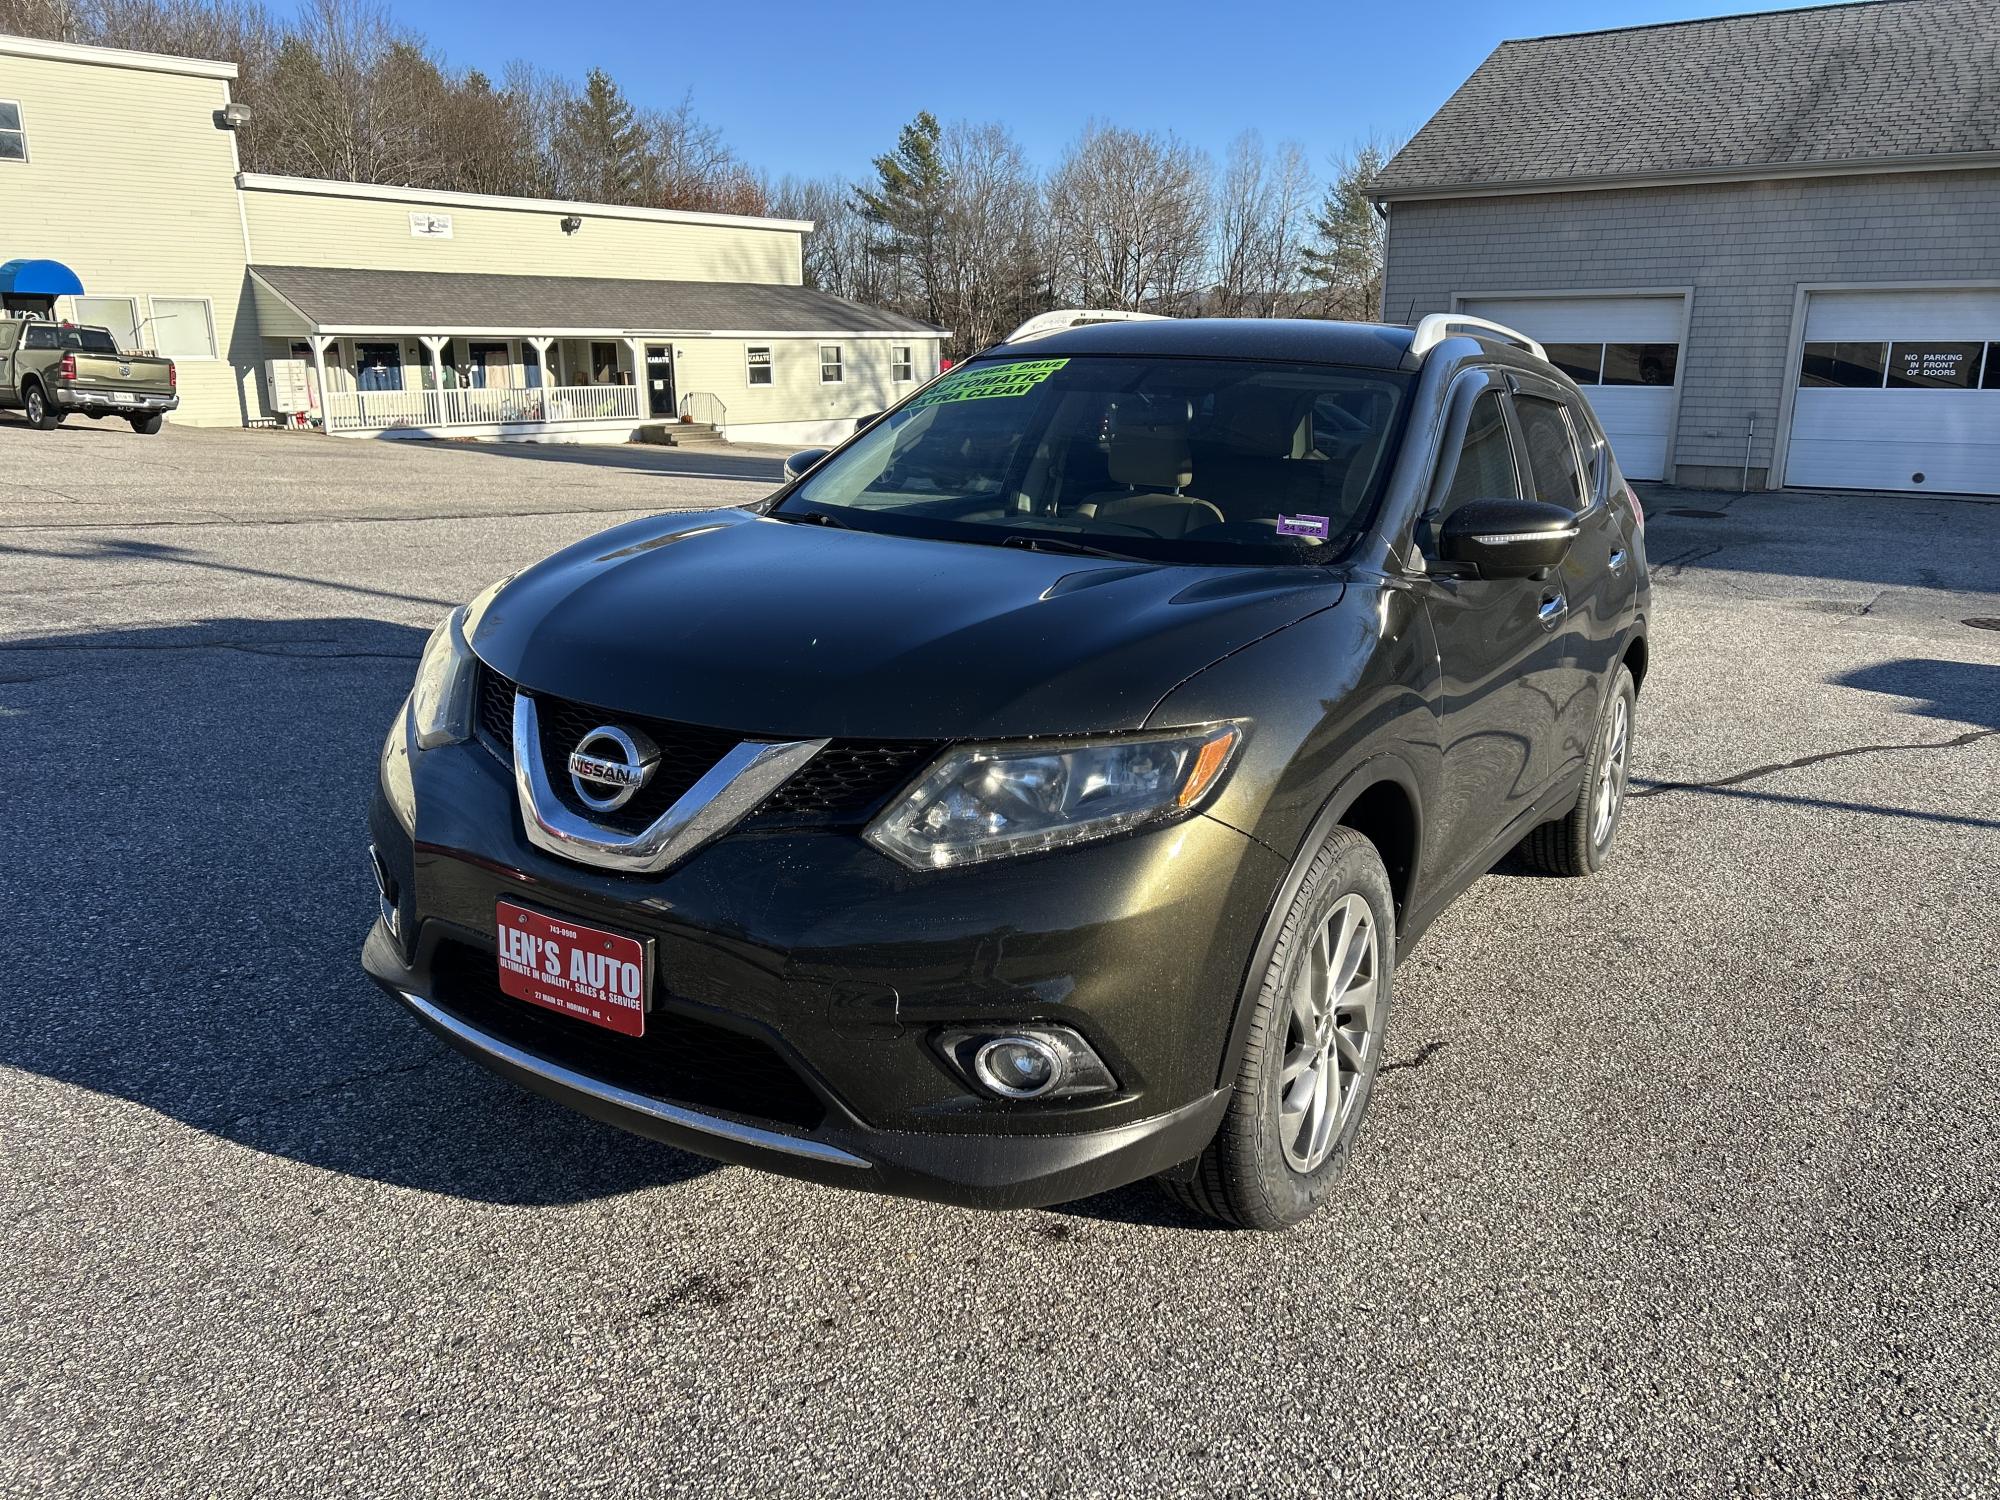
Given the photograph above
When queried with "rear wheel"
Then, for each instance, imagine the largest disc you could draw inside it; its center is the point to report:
(41, 413)
(147, 425)
(1579, 842)
(1315, 1047)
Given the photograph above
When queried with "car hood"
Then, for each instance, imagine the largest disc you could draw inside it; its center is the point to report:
(772, 628)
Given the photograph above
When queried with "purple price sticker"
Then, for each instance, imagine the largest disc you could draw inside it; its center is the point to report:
(1316, 527)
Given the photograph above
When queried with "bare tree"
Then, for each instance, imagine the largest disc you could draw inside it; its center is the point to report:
(839, 252)
(693, 167)
(1128, 215)
(989, 272)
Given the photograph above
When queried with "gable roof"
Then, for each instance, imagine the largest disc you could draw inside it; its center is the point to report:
(336, 298)
(1882, 83)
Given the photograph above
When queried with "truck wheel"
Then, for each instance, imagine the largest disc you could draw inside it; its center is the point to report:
(1315, 1047)
(1579, 842)
(148, 425)
(41, 414)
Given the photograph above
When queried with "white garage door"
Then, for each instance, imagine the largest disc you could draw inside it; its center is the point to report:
(1623, 351)
(1898, 391)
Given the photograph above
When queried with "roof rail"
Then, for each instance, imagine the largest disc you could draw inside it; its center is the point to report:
(1076, 317)
(1435, 328)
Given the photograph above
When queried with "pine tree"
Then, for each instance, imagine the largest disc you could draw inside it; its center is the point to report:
(908, 205)
(603, 146)
(1344, 264)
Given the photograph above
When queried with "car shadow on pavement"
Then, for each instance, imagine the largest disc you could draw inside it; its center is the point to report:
(188, 894)
(1961, 692)
(707, 461)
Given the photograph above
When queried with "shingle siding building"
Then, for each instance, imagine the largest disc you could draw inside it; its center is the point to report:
(387, 309)
(1767, 246)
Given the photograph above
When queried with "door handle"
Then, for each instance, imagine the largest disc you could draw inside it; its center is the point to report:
(1618, 561)
(1552, 611)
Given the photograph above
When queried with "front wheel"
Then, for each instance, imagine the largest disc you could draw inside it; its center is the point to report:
(1315, 1047)
(40, 413)
(146, 425)
(1579, 842)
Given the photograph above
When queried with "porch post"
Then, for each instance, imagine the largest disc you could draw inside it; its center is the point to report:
(319, 343)
(541, 348)
(639, 388)
(434, 346)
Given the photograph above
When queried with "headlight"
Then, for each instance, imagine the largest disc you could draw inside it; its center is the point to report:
(441, 701)
(985, 801)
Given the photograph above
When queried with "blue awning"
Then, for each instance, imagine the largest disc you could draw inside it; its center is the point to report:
(39, 278)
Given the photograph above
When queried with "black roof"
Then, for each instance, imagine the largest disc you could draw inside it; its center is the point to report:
(344, 297)
(1884, 80)
(1372, 345)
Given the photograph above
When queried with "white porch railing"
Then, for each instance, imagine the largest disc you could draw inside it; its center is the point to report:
(470, 406)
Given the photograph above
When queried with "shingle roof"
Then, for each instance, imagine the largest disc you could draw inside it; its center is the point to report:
(339, 297)
(1887, 79)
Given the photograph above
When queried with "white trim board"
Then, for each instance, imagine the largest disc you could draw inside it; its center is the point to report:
(1966, 161)
(114, 57)
(265, 182)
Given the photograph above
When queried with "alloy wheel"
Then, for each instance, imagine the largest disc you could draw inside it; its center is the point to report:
(1331, 1033)
(1611, 772)
(35, 407)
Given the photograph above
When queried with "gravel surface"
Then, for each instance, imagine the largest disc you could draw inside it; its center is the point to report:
(1683, 1180)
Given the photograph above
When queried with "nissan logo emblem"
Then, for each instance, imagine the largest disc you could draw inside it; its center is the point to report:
(609, 765)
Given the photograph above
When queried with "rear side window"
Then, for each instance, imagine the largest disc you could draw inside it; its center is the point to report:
(1485, 468)
(89, 340)
(43, 337)
(1552, 452)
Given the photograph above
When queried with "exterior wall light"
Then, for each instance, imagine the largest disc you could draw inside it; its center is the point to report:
(572, 223)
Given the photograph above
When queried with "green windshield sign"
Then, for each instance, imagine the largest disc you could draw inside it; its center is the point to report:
(1015, 378)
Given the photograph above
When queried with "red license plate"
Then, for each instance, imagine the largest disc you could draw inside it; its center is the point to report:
(585, 972)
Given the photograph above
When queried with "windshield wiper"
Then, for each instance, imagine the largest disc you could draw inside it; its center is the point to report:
(1036, 542)
(811, 518)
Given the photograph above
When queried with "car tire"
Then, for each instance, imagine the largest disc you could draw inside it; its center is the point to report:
(1579, 842)
(1273, 1161)
(146, 426)
(41, 412)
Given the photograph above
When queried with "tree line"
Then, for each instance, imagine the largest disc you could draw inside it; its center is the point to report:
(953, 224)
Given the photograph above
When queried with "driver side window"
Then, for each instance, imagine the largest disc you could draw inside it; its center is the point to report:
(1484, 469)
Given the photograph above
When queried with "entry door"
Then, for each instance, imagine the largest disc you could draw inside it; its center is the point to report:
(378, 367)
(1500, 649)
(1898, 391)
(1625, 354)
(660, 379)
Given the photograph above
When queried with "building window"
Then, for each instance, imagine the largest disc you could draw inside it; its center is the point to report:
(1852, 365)
(902, 369)
(119, 315)
(1992, 380)
(1583, 363)
(13, 138)
(1933, 366)
(604, 363)
(760, 364)
(1641, 364)
(183, 328)
(829, 364)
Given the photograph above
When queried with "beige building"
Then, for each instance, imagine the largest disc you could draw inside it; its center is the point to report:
(369, 310)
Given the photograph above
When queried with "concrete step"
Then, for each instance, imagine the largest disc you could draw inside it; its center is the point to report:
(679, 434)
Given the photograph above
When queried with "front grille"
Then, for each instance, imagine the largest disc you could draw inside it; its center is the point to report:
(847, 780)
(679, 1059)
(844, 783)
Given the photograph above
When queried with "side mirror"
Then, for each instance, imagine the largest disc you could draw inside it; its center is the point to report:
(862, 424)
(1506, 538)
(804, 459)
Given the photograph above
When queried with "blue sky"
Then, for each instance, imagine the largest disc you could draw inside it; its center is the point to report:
(818, 89)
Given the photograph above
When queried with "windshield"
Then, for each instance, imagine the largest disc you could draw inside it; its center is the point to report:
(1187, 460)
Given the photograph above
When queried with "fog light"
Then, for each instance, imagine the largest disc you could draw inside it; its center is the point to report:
(1020, 1067)
(1035, 1061)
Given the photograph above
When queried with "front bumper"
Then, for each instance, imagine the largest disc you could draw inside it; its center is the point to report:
(839, 968)
(107, 403)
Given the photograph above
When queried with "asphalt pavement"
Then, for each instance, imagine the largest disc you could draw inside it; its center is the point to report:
(1684, 1180)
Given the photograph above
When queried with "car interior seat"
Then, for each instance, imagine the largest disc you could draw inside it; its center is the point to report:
(1152, 466)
